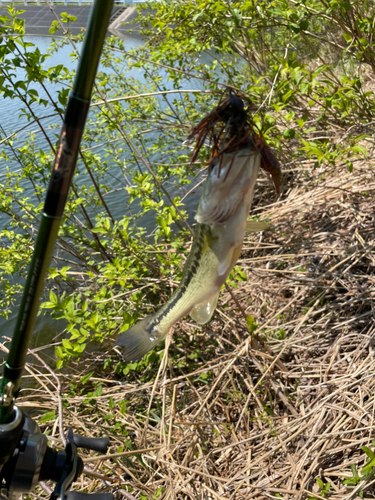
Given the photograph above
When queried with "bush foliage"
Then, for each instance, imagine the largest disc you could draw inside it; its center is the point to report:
(307, 66)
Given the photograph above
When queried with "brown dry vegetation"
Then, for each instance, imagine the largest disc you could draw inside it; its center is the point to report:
(273, 413)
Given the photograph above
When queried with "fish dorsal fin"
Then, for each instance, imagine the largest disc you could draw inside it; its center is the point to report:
(202, 313)
(253, 226)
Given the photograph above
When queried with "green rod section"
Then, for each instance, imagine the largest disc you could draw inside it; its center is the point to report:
(92, 48)
(57, 193)
(40, 261)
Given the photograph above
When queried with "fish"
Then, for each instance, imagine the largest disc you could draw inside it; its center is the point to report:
(221, 223)
(217, 241)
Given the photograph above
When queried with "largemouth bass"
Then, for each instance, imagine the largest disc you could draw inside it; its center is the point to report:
(217, 241)
(238, 151)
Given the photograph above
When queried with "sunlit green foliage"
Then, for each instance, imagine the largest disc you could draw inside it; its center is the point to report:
(302, 64)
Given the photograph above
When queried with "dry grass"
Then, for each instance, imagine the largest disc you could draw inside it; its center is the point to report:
(273, 413)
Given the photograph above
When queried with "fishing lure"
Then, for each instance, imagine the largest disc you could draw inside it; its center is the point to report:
(230, 126)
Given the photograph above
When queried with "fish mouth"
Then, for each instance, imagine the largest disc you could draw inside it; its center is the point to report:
(229, 185)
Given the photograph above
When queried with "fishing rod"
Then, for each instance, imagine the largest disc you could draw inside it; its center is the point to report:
(25, 457)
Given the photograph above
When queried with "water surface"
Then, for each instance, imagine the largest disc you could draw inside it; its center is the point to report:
(11, 121)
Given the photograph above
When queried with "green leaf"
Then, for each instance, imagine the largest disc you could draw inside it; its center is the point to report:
(359, 149)
(66, 344)
(320, 483)
(251, 324)
(52, 297)
(368, 452)
(47, 417)
(85, 378)
(122, 404)
(345, 5)
(289, 133)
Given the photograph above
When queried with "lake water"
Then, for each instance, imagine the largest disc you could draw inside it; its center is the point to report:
(11, 122)
(10, 109)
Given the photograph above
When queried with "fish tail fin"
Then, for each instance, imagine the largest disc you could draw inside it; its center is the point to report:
(140, 339)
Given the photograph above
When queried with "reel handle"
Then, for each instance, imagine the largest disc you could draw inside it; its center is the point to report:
(94, 444)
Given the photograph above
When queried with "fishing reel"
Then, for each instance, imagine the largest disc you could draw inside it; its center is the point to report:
(26, 459)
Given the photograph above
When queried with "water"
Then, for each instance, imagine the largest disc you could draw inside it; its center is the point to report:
(11, 122)
(10, 109)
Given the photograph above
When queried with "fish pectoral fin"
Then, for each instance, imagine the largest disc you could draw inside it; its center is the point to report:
(202, 313)
(253, 226)
(226, 262)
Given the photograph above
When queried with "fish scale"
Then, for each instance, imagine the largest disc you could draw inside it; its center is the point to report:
(192, 265)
